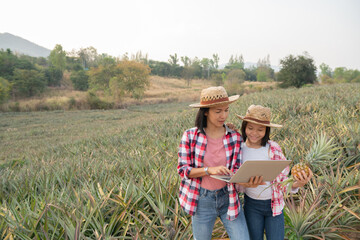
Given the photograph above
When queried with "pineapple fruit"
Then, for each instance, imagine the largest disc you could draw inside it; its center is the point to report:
(320, 154)
(298, 168)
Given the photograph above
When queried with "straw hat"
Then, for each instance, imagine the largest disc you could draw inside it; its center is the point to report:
(212, 96)
(259, 115)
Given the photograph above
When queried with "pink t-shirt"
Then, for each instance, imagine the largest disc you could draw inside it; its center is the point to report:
(215, 155)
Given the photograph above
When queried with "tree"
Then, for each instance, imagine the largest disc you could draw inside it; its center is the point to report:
(58, 58)
(236, 76)
(53, 76)
(125, 77)
(205, 63)
(250, 73)
(264, 72)
(235, 62)
(297, 71)
(28, 82)
(80, 80)
(88, 57)
(173, 60)
(215, 61)
(325, 74)
(7, 64)
(99, 77)
(133, 77)
(175, 68)
(186, 61)
(160, 68)
(5, 88)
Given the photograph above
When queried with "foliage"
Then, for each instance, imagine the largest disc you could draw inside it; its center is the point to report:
(297, 71)
(5, 88)
(80, 80)
(58, 58)
(28, 83)
(339, 75)
(54, 76)
(96, 103)
(217, 78)
(250, 73)
(133, 77)
(236, 62)
(264, 72)
(235, 76)
(160, 68)
(126, 76)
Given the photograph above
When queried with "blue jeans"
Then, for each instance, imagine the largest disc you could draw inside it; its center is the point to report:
(259, 217)
(213, 204)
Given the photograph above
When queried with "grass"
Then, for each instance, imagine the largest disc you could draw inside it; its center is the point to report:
(112, 174)
(24, 134)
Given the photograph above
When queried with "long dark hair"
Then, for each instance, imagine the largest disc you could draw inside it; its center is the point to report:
(201, 119)
(264, 140)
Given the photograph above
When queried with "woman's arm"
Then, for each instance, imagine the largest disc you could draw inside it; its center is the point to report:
(200, 172)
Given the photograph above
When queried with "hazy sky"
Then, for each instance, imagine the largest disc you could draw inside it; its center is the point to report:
(328, 30)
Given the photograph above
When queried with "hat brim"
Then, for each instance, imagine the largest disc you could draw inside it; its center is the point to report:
(231, 100)
(263, 124)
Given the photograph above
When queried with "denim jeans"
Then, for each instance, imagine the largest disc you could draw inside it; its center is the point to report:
(259, 217)
(213, 204)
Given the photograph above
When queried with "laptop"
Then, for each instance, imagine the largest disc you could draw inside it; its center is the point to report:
(268, 169)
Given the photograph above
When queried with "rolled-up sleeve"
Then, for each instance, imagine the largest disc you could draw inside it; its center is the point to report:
(184, 156)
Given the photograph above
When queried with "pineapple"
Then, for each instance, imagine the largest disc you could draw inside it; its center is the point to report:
(296, 170)
(321, 152)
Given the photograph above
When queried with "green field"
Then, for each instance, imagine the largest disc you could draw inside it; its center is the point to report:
(112, 174)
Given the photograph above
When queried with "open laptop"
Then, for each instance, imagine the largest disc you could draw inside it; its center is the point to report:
(269, 170)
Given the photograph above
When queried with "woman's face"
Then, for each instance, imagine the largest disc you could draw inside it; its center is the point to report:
(254, 133)
(216, 116)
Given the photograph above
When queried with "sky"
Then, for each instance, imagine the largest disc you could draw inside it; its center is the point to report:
(328, 30)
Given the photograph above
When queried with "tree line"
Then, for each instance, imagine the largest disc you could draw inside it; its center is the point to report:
(25, 76)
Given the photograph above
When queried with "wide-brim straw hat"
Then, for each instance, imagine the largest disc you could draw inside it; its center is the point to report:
(259, 115)
(214, 96)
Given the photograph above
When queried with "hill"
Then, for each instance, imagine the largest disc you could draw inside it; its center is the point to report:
(22, 46)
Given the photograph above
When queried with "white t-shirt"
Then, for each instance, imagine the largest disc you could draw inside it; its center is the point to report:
(261, 192)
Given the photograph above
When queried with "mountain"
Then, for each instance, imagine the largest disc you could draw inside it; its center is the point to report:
(22, 46)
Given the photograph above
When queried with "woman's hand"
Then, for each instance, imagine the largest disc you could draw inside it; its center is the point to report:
(253, 182)
(302, 180)
(219, 170)
(232, 126)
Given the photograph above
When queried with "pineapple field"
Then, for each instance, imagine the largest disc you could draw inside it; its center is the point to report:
(112, 174)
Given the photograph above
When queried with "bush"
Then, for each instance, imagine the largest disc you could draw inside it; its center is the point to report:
(80, 80)
(96, 103)
(5, 88)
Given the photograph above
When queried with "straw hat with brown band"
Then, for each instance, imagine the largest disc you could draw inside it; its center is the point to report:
(214, 96)
(259, 115)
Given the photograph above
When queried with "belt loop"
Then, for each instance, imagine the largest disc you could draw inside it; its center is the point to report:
(204, 191)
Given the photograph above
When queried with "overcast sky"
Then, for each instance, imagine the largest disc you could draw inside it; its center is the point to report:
(328, 30)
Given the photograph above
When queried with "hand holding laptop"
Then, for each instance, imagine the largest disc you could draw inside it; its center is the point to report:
(248, 171)
(253, 182)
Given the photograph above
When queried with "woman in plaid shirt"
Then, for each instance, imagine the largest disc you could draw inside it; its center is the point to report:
(211, 148)
(264, 203)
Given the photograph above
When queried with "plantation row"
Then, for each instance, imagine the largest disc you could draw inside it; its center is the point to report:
(125, 185)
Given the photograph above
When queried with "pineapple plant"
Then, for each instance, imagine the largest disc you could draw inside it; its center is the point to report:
(321, 153)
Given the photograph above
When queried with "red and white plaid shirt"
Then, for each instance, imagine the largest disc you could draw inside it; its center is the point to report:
(277, 200)
(191, 155)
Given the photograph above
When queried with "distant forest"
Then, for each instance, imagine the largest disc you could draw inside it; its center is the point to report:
(25, 76)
